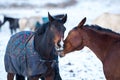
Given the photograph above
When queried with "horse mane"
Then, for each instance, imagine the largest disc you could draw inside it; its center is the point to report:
(99, 28)
(42, 28)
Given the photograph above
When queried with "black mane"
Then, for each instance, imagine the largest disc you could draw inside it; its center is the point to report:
(99, 28)
(42, 28)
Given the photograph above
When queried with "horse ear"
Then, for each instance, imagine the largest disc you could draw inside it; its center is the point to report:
(64, 19)
(51, 19)
(80, 25)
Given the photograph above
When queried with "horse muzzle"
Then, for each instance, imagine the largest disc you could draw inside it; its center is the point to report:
(59, 46)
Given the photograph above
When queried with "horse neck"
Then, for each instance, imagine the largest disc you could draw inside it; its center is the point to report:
(47, 41)
(44, 45)
(5, 19)
(99, 43)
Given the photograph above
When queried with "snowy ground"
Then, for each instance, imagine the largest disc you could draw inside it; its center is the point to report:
(79, 65)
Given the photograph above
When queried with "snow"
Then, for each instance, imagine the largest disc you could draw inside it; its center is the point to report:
(78, 65)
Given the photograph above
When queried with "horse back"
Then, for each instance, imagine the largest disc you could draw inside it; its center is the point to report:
(14, 51)
(21, 58)
(18, 41)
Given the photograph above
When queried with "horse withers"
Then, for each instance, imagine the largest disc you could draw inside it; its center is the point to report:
(103, 42)
(35, 54)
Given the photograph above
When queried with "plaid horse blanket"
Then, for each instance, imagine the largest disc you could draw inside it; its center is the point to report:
(21, 58)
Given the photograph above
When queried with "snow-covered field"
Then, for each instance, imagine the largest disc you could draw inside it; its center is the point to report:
(78, 65)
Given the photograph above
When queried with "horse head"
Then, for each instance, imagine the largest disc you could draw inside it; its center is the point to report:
(57, 28)
(51, 34)
(74, 40)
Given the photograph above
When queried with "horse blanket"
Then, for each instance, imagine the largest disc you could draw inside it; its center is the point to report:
(21, 58)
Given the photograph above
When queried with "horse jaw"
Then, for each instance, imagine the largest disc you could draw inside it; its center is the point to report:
(61, 54)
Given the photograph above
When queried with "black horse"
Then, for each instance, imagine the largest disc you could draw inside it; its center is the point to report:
(35, 54)
(0, 24)
(13, 23)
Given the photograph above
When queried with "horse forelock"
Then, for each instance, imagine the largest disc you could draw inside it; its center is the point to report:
(59, 20)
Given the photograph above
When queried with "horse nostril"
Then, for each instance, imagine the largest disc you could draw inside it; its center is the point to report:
(58, 44)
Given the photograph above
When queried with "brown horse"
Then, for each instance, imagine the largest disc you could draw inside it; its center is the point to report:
(34, 54)
(103, 42)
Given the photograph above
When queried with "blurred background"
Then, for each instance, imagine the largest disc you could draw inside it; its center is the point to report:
(79, 65)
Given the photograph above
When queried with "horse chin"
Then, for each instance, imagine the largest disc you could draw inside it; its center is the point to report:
(61, 54)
